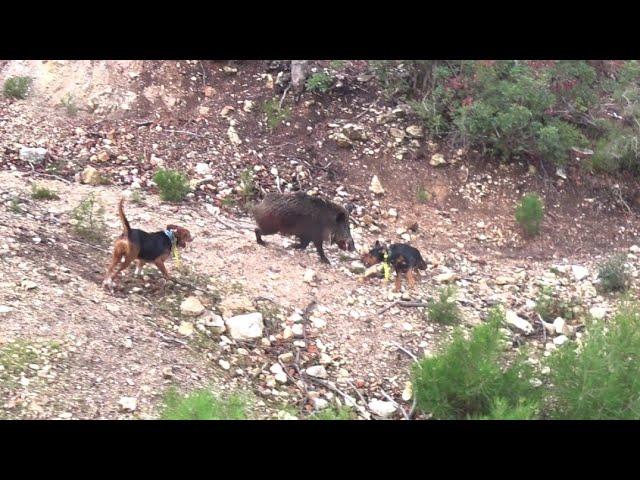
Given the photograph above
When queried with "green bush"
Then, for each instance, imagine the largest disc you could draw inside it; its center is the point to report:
(319, 82)
(529, 213)
(502, 410)
(202, 405)
(601, 379)
(537, 110)
(16, 87)
(274, 114)
(444, 310)
(467, 377)
(69, 104)
(88, 220)
(613, 274)
(344, 413)
(43, 193)
(173, 185)
(550, 306)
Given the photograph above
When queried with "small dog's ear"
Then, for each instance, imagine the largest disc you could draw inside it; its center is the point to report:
(172, 227)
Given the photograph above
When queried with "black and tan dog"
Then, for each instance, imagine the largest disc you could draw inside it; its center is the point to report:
(402, 257)
(143, 247)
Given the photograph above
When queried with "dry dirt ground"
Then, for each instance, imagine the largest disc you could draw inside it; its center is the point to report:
(75, 350)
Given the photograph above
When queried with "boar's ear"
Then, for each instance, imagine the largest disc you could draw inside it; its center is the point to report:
(341, 217)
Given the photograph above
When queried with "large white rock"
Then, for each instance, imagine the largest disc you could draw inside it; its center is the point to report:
(579, 272)
(376, 186)
(191, 306)
(515, 321)
(245, 327)
(381, 408)
(317, 371)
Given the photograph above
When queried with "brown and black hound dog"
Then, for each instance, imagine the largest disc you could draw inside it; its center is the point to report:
(402, 257)
(143, 247)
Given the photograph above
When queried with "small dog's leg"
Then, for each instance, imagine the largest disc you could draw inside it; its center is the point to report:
(139, 266)
(160, 264)
(411, 279)
(398, 282)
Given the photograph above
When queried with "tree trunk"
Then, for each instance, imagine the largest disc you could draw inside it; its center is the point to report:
(299, 72)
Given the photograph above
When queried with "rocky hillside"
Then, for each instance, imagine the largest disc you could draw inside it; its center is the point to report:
(296, 335)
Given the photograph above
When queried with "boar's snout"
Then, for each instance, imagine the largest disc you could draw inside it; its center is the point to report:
(347, 245)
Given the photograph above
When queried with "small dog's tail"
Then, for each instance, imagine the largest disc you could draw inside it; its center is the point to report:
(125, 222)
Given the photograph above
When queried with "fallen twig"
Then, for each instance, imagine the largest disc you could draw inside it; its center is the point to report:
(185, 132)
(401, 348)
(284, 95)
(404, 304)
(544, 330)
(348, 398)
(388, 397)
(42, 174)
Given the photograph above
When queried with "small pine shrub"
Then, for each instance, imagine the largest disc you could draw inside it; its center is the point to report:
(444, 310)
(600, 380)
(319, 82)
(422, 195)
(248, 189)
(16, 87)
(529, 214)
(202, 405)
(336, 64)
(173, 185)
(613, 274)
(14, 205)
(344, 413)
(274, 114)
(467, 376)
(88, 220)
(502, 410)
(136, 197)
(69, 104)
(43, 193)
(549, 306)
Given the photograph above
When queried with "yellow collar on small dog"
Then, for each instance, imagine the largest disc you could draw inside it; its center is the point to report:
(386, 266)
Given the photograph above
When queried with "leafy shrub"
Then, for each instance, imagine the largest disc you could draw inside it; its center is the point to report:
(613, 274)
(173, 185)
(444, 310)
(422, 195)
(275, 115)
(319, 82)
(467, 377)
(601, 379)
(549, 306)
(248, 189)
(16, 87)
(344, 413)
(43, 193)
(69, 103)
(88, 219)
(511, 109)
(202, 405)
(501, 410)
(529, 213)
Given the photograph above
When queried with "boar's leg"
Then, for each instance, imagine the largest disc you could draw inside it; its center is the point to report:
(323, 258)
(259, 236)
(304, 242)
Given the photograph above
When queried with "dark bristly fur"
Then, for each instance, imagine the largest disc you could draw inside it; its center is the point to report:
(311, 219)
(143, 247)
(403, 258)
